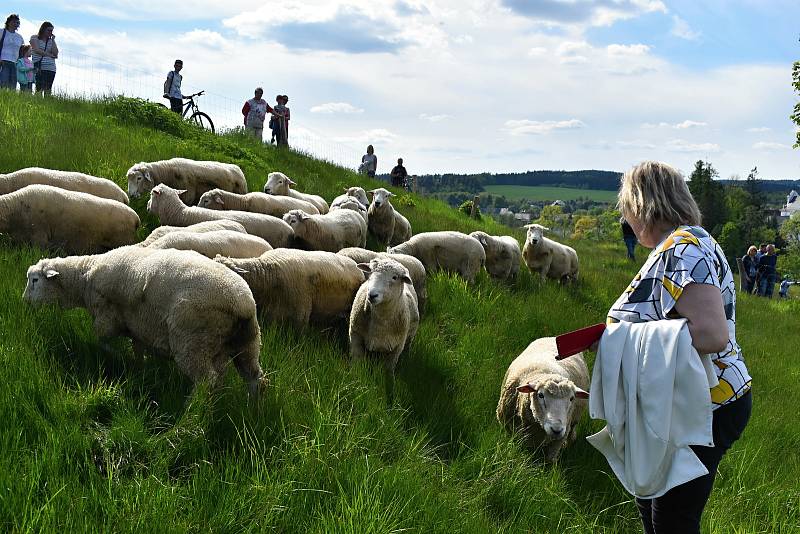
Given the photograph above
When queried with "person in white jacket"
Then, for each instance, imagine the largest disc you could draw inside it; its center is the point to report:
(685, 276)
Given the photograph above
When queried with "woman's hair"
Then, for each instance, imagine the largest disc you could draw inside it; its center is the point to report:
(752, 249)
(11, 17)
(43, 27)
(656, 193)
(369, 148)
(24, 50)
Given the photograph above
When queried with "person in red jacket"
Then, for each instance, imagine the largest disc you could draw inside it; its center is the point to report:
(255, 113)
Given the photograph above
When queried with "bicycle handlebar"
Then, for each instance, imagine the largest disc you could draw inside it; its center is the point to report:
(196, 94)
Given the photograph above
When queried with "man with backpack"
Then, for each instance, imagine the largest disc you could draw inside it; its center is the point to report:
(172, 88)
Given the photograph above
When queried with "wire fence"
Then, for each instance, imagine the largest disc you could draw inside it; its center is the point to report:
(87, 76)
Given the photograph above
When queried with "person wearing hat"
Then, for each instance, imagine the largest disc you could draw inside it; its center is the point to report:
(280, 120)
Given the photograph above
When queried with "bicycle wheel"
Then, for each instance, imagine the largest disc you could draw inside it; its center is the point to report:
(202, 120)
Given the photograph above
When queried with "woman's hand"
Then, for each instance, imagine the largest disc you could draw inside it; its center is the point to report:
(701, 305)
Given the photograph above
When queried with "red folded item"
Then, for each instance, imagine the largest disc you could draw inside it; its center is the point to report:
(578, 340)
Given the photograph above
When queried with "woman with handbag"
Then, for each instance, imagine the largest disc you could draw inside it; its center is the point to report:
(45, 53)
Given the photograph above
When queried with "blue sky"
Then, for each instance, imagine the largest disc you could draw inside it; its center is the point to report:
(473, 85)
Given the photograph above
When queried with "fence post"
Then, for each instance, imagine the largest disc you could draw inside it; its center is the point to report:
(474, 209)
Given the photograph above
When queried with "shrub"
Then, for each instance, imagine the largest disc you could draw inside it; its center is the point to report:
(466, 209)
(145, 113)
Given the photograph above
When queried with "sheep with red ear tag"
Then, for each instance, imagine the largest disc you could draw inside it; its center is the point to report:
(542, 398)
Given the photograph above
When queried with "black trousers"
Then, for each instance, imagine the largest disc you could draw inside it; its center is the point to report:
(176, 105)
(678, 511)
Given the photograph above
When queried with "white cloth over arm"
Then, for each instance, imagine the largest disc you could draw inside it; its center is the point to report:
(652, 388)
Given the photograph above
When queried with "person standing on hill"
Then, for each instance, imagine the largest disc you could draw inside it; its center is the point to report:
(255, 113)
(686, 276)
(750, 265)
(399, 174)
(25, 69)
(280, 120)
(10, 41)
(172, 88)
(766, 272)
(629, 237)
(370, 161)
(45, 53)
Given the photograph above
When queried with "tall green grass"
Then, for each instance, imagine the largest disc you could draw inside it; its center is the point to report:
(94, 441)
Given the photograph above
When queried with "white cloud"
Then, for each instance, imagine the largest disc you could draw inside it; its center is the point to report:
(537, 51)
(377, 136)
(681, 28)
(637, 144)
(336, 107)
(207, 38)
(761, 129)
(770, 147)
(526, 127)
(628, 50)
(681, 145)
(433, 118)
(689, 124)
(582, 13)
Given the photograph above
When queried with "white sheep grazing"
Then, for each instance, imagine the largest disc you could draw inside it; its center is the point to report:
(351, 204)
(210, 244)
(451, 251)
(355, 192)
(73, 181)
(80, 223)
(503, 255)
(415, 269)
(166, 204)
(385, 318)
(279, 184)
(547, 257)
(199, 228)
(298, 286)
(331, 232)
(385, 223)
(277, 206)
(196, 177)
(544, 398)
(173, 303)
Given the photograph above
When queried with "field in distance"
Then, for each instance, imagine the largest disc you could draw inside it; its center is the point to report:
(514, 192)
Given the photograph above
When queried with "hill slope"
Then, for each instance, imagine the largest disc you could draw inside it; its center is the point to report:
(94, 441)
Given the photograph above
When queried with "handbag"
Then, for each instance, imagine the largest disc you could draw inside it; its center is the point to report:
(3, 38)
(37, 65)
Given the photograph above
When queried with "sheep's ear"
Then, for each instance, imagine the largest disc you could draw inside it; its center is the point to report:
(289, 181)
(371, 192)
(581, 394)
(483, 241)
(392, 194)
(180, 192)
(365, 268)
(218, 200)
(51, 273)
(303, 216)
(529, 226)
(148, 177)
(345, 189)
(545, 229)
(388, 250)
(527, 388)
(407, 280)
(156, 191)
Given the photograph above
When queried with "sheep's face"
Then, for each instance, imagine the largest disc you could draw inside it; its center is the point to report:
(386, 280)
(211, 200)
(359, 194)
(277, 184)
(552, 399)
(535, 233)
(139, 180)
(44, 284)
(162, 194)
(380, 196)
(295, 218)
(354, 205)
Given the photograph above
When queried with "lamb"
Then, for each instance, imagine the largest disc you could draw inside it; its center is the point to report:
(387, 225)
(547, 257)
(277, 206)
(173, 303)
(209, 244)
(165, 202)
(451, 251)
(278, 184)
(73, 181)
(415, 269)
(355, 192)
(353, 205)
(298, 286)
(330, 232)
(544, 398)
(384, 318)
(51, 217)
(196, 177)
(199, 228)
(503, 256)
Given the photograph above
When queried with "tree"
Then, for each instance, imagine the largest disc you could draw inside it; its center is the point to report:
(795, 116)
(709, 195)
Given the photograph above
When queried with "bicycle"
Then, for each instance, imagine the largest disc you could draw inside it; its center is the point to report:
(197, 117)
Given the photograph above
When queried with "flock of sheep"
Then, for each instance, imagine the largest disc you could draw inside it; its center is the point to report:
(280, 255)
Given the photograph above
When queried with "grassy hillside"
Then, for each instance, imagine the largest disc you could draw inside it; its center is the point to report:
(546, 193)
(93, 441)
